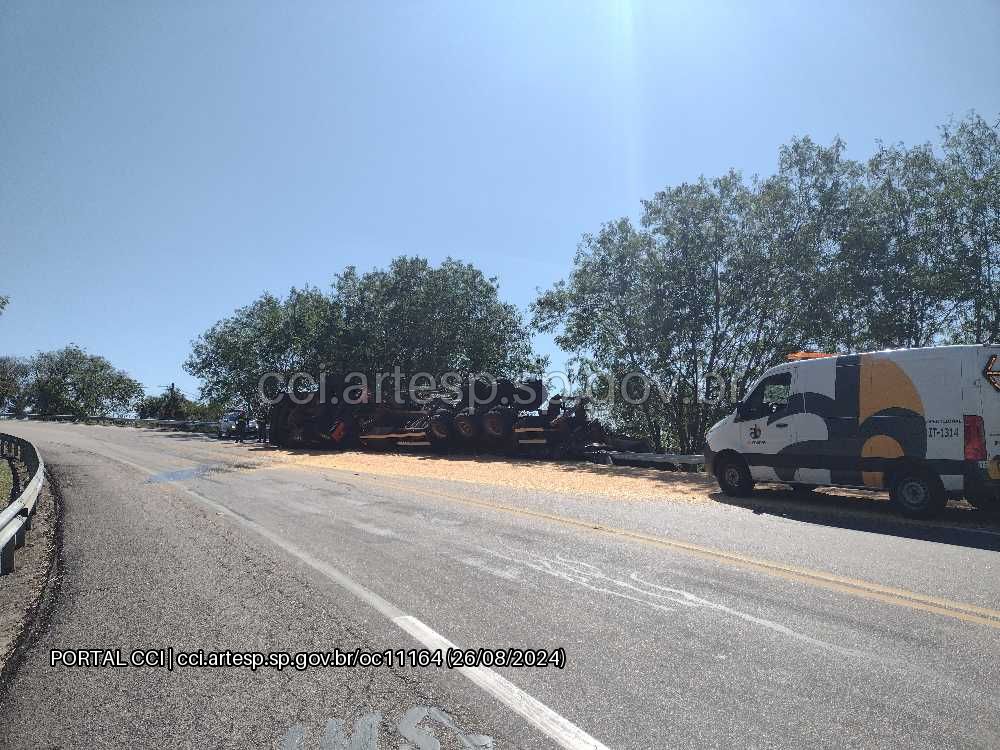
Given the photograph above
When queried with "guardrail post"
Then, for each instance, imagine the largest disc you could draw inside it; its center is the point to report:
(19, 537)
(7, 558)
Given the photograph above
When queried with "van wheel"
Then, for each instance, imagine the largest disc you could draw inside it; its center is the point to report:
(734, 477)
(918, 494)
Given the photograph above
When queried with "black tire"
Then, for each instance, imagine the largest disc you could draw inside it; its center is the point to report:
(917, 493)
(439, 428)
(733, 476)
(496, 425)
(278, 419)
(467, 426)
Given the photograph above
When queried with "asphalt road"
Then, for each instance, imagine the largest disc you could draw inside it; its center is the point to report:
(683, 625)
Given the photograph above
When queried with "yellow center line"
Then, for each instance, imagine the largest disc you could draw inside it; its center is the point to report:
(819, 579)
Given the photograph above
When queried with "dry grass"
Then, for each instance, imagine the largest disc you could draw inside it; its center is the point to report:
(577, 478)
(6, 482)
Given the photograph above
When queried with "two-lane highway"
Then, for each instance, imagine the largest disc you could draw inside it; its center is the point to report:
(683, 625)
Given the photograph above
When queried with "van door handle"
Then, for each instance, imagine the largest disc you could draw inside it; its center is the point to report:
(781, 424)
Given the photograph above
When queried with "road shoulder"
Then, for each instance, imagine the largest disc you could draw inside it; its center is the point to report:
(28, 594)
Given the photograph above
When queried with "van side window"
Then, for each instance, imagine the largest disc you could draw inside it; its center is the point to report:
(769, 397)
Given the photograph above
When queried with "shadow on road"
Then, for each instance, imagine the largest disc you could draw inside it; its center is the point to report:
(871, 512)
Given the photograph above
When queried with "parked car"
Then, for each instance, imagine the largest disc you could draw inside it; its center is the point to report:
(922, 423)
(228, 422)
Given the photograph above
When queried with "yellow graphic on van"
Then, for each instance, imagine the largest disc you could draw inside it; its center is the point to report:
(879, 446)
(993, 467)
(883, 386)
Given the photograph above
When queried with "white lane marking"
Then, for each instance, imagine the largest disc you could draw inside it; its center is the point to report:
(542, 717)
(557, 728)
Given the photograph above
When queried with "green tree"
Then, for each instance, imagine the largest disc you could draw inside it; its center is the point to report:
(710, 292)
(14, 372)
(172, 404)
(4, 301)
(70, 381)
(971, 216)
(896, 284)
(412, 315)
(609, 310)
(425, 318)
(270, 335)
(820, 191)
(726, 277)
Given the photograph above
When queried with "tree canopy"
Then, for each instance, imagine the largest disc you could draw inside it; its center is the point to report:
(172, 404)
(67, 381)
(419, 317)
(725, 276)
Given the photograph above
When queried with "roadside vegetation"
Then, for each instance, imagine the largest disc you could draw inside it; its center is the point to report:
(66, 381)
(413, 315)
(6, 483)
(725, 275)
(722, 276)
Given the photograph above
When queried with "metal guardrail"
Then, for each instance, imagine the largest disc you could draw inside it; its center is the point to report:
(15, 519)
(671, 461)
(183, 424)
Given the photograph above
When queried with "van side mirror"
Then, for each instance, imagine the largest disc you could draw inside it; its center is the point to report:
(742, 410)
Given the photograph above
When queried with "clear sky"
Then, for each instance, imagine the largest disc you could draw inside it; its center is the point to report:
(164, 163)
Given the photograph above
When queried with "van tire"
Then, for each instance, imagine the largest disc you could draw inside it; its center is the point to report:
(917, 493)
(733, 476)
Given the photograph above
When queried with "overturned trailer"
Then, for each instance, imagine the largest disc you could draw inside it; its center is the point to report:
(471, 413)
(474, 415)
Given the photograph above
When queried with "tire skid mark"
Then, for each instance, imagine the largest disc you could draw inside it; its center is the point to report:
(654, 596)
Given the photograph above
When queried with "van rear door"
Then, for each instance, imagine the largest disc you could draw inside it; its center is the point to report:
(989, 367)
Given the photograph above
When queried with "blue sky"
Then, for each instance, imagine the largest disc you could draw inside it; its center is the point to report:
(164, 163)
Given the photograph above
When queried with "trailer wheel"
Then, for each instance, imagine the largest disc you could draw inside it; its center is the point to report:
(917, 493)
(279, 424)
(466, 425)
(495, 424)
(438, 427)
(733, 476)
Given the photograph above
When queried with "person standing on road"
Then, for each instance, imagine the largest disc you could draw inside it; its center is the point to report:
(241, 427)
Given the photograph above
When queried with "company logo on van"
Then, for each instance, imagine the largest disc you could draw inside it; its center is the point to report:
(991, 373)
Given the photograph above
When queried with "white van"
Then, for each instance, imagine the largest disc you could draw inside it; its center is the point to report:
(922, 423)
